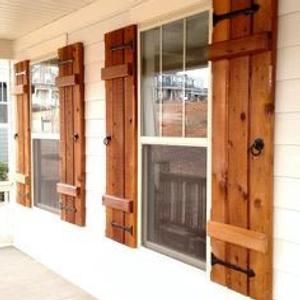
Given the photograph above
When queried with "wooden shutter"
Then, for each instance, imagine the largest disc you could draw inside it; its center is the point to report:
(72, 141)
(243, 65)
(23, 133)
(121, 127)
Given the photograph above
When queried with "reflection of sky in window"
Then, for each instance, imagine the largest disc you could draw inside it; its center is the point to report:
(199, 76)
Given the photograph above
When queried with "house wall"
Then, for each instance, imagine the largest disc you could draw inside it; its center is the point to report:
(111, 271)
(6, 49)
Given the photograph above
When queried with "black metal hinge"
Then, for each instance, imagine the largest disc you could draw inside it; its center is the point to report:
(246, 11)
(216, 261)
(122, 47)
(124, 228)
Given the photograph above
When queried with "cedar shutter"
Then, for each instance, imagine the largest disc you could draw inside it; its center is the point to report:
(121, 127)
(23, 133)
(72, 140)
(243, 66)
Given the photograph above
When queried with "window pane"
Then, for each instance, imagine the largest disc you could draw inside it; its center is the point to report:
(3, 92)
(150, 83)
(172, 79)
(46, 173)
(45, 101)
(3, 113)
(3, 154)
(196, 76)
(175, 185)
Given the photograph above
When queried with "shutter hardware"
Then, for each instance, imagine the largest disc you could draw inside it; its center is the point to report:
(216, 261)
(246, 11)
(124, 228)
(20, 73)
(122, 47)
(257, 147)
(64, 62)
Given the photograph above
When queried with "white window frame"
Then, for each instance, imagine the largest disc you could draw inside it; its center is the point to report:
(40, 136)
(175, 141)
(7, 186)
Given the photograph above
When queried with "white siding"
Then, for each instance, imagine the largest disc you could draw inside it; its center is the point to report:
(287, 155)
(97, 263)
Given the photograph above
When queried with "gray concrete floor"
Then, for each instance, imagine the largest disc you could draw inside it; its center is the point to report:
(21, 277)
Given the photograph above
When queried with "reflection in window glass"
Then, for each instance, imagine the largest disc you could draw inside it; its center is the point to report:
(172, 80)
(175, 180)
(175, 76)
(45, 101)
(150, 81)
(196, 76)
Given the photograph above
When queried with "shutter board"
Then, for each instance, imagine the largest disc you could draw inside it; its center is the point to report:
(121, 118)
(23, 134)
(243, 110)
(72, 140)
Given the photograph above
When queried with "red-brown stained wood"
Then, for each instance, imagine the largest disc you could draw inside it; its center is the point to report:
(262, 115)
(238, 236)
(240, 47)
(67, 189)
(220, 79)
(124, 205)
(20, 89)
(116, 72)
(67, 80)
(23, 132)
(121, 116)
(243, 110)
(72, 140)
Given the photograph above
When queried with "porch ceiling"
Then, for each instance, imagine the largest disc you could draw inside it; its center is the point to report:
(19, 17)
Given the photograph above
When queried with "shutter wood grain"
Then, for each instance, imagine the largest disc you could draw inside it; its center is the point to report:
(72, 140)
(243, 110)
(121, 124)
(23, 134)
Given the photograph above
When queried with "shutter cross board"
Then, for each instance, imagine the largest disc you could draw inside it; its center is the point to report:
(243, 56)
(72, 140)
(120, 75)
(23, 133)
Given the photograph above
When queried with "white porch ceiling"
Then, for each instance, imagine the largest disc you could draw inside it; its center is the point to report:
(19, 17)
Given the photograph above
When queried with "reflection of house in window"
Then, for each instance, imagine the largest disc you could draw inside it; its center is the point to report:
(172, 86)
(45, 99)
(3, 132)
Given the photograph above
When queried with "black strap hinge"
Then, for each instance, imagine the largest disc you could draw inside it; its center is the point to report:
(246, 11)
(122, 47)
(216, 261)
(124, 228)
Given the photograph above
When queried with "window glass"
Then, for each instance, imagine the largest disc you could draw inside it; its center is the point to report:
(174, 99)
(172, 79)
(176, 198)
(3, 154)
(151, 81)
(46, 173)
(196, 76)
(174, 85)
(45, 134)
(45, 101)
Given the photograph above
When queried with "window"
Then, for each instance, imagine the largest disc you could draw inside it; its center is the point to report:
(174, 137)
(4, 132)
(45, 134)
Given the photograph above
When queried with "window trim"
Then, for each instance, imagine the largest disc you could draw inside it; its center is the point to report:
(7, 186)
(181, 141)
(40, 136)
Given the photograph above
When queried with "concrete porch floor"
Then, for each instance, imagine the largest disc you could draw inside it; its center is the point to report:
(21, 277)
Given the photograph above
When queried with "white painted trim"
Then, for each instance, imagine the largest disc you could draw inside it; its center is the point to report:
(174, 141)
